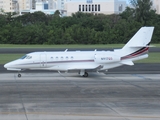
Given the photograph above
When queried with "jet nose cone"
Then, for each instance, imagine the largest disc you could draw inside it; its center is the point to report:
(6, 65)
(11, 66)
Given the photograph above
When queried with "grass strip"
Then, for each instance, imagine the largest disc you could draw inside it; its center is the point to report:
(62, 46)
(153, 58)
(67, 46)
(4, 58)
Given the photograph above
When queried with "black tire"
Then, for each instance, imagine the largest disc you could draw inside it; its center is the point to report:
(85, 74)
(19, 75)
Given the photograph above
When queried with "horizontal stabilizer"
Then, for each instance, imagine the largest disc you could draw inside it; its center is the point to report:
(127, 62)
(142, 46)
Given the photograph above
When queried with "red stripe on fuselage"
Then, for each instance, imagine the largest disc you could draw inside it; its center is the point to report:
(139, 52)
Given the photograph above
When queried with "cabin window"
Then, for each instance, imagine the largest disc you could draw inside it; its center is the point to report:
(26, 57)
(23, 57)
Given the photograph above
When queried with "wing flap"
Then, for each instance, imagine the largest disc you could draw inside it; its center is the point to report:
(127, 62)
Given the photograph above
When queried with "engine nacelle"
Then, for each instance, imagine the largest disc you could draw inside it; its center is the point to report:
(106, 58)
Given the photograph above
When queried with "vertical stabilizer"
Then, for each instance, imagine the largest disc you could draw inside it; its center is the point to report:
(138, 44)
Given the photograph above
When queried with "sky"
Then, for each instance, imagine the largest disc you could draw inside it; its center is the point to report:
(127, 1)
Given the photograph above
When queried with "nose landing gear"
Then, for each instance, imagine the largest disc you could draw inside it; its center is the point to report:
(19, 75)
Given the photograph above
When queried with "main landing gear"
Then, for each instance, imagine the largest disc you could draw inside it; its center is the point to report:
(83, 73)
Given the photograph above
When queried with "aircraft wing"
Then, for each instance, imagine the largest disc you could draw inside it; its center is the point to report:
(76, 67)
(85, 67)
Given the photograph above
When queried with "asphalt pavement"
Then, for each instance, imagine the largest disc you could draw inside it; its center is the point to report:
(48, 96)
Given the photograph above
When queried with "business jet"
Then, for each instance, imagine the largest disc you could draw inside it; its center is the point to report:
(84, 61)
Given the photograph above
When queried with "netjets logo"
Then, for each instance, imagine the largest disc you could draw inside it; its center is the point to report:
(106, 58)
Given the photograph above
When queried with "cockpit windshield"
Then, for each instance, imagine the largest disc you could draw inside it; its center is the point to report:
(26, 57)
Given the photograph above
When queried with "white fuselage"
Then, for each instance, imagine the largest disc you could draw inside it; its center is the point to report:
(63, 61)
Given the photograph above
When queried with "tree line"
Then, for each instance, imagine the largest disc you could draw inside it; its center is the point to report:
(80, 28)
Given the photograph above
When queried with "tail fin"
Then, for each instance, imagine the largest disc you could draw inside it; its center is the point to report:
(138, 44)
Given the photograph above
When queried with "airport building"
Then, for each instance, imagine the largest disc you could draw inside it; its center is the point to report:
(156, 6)
(66, 7)
(46, 6)
(95, 6)
(6, 5)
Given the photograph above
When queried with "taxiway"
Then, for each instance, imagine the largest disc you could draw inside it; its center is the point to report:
(51, 96)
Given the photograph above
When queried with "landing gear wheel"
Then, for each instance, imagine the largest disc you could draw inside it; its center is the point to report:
(85, 74)
(19, 75)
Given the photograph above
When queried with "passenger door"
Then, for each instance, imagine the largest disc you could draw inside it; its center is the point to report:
(43, 60)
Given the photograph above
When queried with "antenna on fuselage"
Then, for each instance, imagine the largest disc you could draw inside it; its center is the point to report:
(66, 50)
